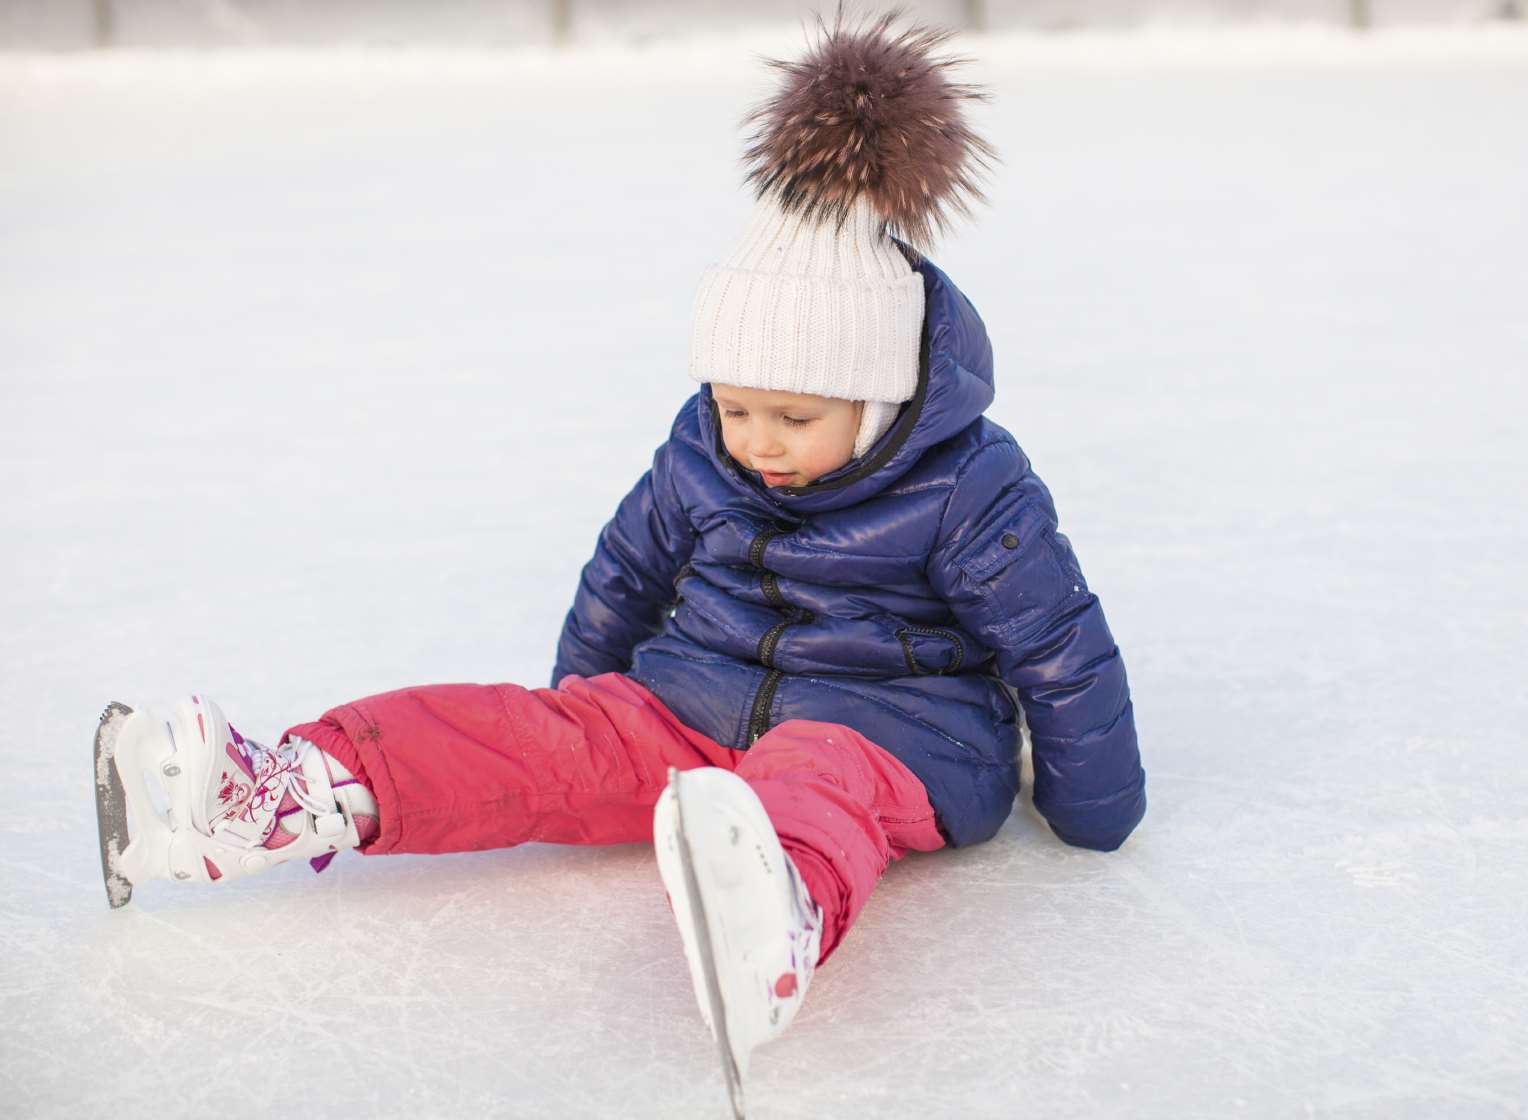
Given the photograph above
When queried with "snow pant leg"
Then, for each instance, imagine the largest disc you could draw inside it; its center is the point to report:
(843, 808)
(461, 767)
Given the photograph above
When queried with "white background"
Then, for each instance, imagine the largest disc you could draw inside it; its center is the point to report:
(320, 374)
(81, 24)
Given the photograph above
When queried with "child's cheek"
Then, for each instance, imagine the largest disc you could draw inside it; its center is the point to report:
(730, 444)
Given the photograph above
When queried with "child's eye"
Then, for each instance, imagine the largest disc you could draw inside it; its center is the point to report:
(792, 422)
(734, 412)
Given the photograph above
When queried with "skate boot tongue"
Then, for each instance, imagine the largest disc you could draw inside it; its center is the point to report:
(254, 785)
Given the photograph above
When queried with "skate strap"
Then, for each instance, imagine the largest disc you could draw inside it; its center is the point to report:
(313, 790)
(239, 832)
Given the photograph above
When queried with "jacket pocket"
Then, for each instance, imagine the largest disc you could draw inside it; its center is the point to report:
(1018, 575)
(1001, 544)
(930, 650)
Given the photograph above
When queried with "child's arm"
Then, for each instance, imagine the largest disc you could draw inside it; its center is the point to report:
(628, 585)
(1013, 581)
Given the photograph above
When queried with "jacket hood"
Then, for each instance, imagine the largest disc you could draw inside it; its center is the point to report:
(954, 389)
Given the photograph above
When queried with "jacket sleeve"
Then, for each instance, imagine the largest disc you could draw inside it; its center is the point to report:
(627, 587)
(1012, 580)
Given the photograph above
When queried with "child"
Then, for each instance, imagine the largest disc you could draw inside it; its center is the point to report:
(795, 652)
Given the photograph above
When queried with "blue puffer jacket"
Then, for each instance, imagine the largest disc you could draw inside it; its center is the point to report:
(899, 595)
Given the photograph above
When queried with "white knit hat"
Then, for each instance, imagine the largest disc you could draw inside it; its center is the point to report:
(811, 306)
(865, 135)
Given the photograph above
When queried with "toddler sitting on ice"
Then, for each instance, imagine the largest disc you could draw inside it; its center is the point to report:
(796, 650)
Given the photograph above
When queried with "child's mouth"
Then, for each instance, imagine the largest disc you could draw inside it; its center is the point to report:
(773, 479)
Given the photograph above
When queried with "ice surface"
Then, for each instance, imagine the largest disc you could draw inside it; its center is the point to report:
(321, 373)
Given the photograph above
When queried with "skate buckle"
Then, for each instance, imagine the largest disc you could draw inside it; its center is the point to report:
(240, 834)
(330, 825)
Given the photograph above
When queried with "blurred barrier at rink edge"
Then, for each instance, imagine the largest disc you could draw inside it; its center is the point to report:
(95, 24)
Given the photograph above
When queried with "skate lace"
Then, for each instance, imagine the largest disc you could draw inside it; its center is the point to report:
(277, 771)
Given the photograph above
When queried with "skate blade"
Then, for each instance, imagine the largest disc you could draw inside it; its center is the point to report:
(111, 804)
(702, 933)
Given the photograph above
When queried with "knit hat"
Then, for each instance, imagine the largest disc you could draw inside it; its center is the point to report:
(864, 138)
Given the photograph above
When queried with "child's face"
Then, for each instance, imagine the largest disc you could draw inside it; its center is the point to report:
(789, 438)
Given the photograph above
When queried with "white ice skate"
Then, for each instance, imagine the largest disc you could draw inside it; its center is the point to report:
(191, 799)
(751, 932)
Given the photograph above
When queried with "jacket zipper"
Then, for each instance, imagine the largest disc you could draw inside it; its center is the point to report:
(771, 586)
(760, 542)
(758, 721)
(766, 648)
(758, 715)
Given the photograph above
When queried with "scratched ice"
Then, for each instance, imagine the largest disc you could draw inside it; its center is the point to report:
(320, 374)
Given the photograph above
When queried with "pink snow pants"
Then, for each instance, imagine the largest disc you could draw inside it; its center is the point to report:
(460, 767)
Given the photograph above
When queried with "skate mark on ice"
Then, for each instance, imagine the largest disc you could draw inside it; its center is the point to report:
(406, 980)
(44, 873)
(1252, 963)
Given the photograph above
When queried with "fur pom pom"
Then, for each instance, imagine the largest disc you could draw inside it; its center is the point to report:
(869, 112)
